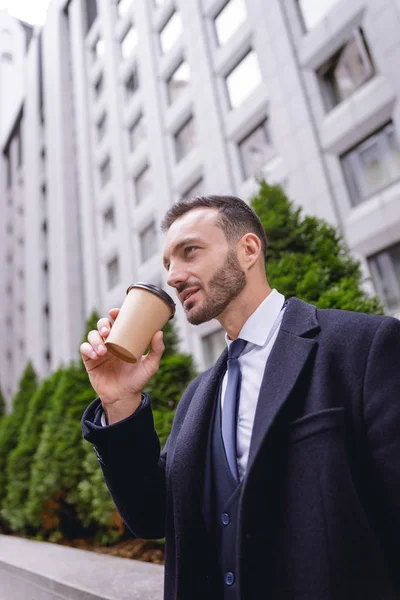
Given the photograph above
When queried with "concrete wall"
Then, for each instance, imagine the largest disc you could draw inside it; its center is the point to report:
(40, 571)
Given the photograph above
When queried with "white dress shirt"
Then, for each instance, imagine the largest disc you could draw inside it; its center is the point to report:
(260, 331)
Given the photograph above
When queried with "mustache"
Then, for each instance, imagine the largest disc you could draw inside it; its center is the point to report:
(184, 286)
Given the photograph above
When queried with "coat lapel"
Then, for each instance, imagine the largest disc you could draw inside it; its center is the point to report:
(191, 444)
(289, 355)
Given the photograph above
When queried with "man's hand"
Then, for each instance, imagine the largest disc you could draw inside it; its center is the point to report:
(119, 384)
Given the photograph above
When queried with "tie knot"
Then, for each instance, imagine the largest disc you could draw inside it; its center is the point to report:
(236, 348)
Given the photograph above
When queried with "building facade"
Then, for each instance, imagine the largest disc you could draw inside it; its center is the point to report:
(124, 107)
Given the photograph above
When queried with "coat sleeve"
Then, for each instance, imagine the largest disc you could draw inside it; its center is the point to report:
(133, 467)
(382, 423)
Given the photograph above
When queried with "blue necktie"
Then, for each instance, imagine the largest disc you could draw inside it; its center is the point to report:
(229, 413)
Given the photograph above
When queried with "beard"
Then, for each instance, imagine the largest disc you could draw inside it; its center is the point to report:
(224, 286)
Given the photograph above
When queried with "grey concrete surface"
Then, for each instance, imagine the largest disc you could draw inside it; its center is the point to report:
(41, 571)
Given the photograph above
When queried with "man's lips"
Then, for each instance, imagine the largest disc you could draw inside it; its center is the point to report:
(186, 294)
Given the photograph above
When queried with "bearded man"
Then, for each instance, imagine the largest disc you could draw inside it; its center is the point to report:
(281, 475)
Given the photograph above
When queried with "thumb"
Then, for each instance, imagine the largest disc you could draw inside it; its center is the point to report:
(156, 351)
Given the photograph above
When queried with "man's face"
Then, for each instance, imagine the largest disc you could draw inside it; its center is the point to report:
(202, 267)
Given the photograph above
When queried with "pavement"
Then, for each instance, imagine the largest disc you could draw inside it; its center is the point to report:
(41, 571)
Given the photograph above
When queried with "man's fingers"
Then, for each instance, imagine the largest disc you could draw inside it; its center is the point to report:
(157, 346)
(97, 342)
(114, 312)
(87, 352)
(104, 326)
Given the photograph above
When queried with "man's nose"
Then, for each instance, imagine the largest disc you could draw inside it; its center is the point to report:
(176, 275)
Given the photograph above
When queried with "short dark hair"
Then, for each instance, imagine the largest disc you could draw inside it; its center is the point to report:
(235, 217)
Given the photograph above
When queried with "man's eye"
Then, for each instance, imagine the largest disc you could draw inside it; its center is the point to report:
(190, 249)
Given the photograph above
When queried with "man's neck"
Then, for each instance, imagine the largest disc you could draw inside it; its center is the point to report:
(240, 309)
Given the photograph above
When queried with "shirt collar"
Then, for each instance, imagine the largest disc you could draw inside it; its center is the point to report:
(258, 326)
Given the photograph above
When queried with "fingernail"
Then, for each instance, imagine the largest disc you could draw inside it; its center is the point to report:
(93, 354)
(104, 330)
(100, 348)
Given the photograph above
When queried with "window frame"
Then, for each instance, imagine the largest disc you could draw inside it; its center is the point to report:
(214, 24)
(113, 260)
(376, 262)
(178, 154)
(106, 161)
(250, 50)
(146, 169)
(150, 226)
(352, 168)
(130, 92)
(170, 100)
(174, 13)
(265, 125)
(325, 74)
(139, 119)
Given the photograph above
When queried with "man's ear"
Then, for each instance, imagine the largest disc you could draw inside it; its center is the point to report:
(251, 249)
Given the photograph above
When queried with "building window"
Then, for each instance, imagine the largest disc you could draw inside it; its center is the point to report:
(195, 190)
(105, 171)
(243, 79)
(373, 164)
(346, 71)
(129, 42)
(213, 345)
(148, 242)
(109, 220)
(137, 133)
(385, 268)
(131, 85)
(185, 139)
(178, 82)
(98, 49)
(8, 169)
(19, 146)
(101, 127)
(255, 149)
(143, 185)
(312, 12)
(99, 85)
(171, 33)
(91, 13)
(123, 7)
(113, 273)
(229, 19)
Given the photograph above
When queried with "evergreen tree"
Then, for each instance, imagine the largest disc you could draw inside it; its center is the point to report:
(307, 257)
(10, 425)
(57, 464)
(91, 324)
(2, 405)
(19, 463)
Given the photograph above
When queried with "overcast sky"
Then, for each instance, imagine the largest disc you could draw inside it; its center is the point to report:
(31, 11)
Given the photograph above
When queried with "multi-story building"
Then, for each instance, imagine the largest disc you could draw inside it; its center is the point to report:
(127, 106)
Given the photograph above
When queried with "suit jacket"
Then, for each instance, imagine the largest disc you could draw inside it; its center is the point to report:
(319, 515)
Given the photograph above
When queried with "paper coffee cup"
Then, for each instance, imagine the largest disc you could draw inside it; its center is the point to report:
(145, 311)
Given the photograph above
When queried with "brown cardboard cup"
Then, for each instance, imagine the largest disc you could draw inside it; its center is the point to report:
(145, 311)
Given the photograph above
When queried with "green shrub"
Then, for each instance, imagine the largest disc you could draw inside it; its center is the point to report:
(19, 463)
(58, 463)
(10, 424)
(307, 257)
(2, 405)
(94, 505)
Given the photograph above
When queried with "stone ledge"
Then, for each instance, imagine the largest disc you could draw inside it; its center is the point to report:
(40, 571)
